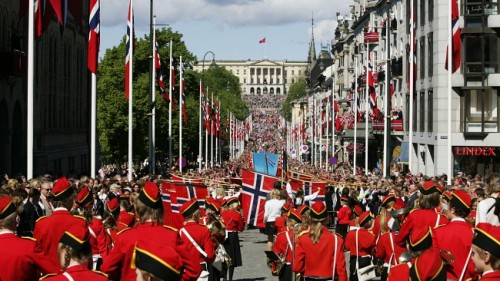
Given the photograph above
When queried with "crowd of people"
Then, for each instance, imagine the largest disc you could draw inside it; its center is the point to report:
(404, 227)
(264, 101)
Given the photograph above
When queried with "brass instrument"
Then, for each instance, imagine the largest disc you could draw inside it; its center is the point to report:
(216, 226)
(276, 265)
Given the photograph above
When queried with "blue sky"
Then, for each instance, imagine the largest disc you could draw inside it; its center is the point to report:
(231, 28)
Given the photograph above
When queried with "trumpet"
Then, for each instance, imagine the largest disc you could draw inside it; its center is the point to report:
(216, 226)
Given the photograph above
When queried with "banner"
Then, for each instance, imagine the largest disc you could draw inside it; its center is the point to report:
(266, 163)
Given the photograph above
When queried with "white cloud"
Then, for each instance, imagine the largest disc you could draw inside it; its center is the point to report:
(229, 12)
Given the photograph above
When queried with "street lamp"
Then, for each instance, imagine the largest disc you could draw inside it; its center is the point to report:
(200, 142)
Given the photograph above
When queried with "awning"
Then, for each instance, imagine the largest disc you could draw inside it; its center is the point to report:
(403, 156)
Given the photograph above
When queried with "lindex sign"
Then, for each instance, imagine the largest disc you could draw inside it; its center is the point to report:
(474, 151)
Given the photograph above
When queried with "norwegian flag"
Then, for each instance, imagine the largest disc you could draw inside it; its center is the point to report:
(129, 49)
(174, 194)
(43, 15)
(204, 108)
(94, 35)
(217, 117)
(177, 178)
(159, 75)
(455, 44)
(309, 187)
(370, 37)
(207, 115)
(256, 186)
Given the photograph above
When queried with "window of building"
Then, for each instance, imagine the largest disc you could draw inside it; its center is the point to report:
(480, 109)
(414, 123)
(422, 57)
(293, 72)
(278, 71)
(407, 113)
(422, 112)
(252, 71)
(422, 12)
(481, 53)
(430, 10)
(258, 71)
(277, 80)
(430, 111)
(272, 71)
(265, 71)
(430, 64)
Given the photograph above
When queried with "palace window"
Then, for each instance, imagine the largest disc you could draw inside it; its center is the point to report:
(480, 110)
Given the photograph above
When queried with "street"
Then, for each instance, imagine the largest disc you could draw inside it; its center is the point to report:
(253, 244)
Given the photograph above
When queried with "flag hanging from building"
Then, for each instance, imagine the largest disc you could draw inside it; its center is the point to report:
(455, 44)
(129, 45)
(94, 36)
(262, 41)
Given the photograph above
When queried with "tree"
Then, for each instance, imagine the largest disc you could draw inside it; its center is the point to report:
(297, 90)
(112, 107)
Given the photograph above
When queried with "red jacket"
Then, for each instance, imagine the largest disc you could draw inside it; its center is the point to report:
(99, 242)
(49, 230)
(494, 275)
(78, 273)
(201, 235)
(19, 260)
(284, 245)
(232, 220)
(399, 272)
(366, 242)
(455, 237)
(309, 261)
(280, 224)
(385, 249)
(416, 220)
(344, 215)
(117, 263)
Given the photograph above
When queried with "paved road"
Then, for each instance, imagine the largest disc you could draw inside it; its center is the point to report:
(253, 244)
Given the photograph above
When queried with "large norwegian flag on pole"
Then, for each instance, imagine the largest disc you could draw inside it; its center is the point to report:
(455, 44)
(94, 36)
(129, 49)
(256, 186)
(159, 75)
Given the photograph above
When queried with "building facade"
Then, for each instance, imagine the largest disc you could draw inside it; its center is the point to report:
(258, 77)
(61, 94)
(376, 35)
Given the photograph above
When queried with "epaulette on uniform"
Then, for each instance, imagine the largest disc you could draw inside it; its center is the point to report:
(171, 228)
(28, 238)
(41, 218)
(123, 230)
(80, 217)
(47, 275)
(303, 232)
(100, 273)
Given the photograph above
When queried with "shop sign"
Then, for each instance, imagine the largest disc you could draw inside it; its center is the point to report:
(474, 151)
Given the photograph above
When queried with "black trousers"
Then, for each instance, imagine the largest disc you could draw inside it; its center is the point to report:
(363, 261)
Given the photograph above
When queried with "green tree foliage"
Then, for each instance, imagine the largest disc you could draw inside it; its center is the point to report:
(297, 90)
(112, 107)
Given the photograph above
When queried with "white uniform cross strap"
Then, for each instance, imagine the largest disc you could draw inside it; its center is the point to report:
(184, 231)
(289, 241)
(92, 232)
(335, 256)
(68, 276)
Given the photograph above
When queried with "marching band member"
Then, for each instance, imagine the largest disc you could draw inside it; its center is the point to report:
(284, 244)
(360, 243)
(280, 223)
(156, 262)
(272, 210)
(426, 215)
(344, 216)
(150, 227)
(48, 230)
(307, 260)
(197, 237)
(234, 224)
(98, 240)
(75, 254)
(486, 251)
(18, 259)
(456, 237)
(217, 230)
(381, 223)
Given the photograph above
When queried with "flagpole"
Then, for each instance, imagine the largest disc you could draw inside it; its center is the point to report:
(217, 127)
(412, 58)
(30, 88)
(152, 146)
(200, 133)
(366, 107)
(181, 90)
(355, 114)
(388, 102)
(212, 133)
(206, 133)
(170, 111)
(93, 113)
(333, 119)
(130, 89)
(450, 70)
(327, 150)
(230, 136)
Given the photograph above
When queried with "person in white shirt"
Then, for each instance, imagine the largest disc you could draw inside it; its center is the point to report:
(272, 210)
(485, 208)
